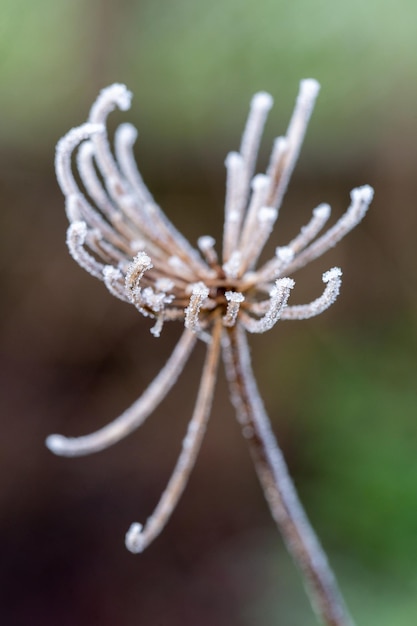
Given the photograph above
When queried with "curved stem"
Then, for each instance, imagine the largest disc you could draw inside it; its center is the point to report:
(139, 537)
(278, 487)
(136, 414)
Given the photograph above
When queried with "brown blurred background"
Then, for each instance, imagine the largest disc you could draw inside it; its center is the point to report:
(340, 389)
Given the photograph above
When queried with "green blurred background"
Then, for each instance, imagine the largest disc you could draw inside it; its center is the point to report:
(340, 389)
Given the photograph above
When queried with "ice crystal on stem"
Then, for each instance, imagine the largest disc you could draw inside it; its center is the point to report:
(120, 235)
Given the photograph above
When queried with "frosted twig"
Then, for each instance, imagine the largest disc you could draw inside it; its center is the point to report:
(124, 140)
(361, 199)
(206, 246)
(91, 182)
(199, 294)
(278, 487)
(117, 228)
(76, 236)
(265, 220)
(234, 300)
(64, 149)
(113, 279)
(139, 537)
(260, 106)
(332, 279)
(260, 184)
(281, 171)
(278, 300)
(140, 264)
(233, 203)
(136, 414)
(115, 96)
(308, 232)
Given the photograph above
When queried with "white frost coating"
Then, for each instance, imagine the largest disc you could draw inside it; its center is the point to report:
(76, 237)
(113, 279)
(284, 254)
(309, 89)
(116, 95)
(262, 101)
(72, 208)
(308, 232)
(266, 218)
(91, 182)
(181, 269)
(206, 242)
(134, 539)
(249, 147)
(233, 265)
(306, 98)
(260, 185)
(267, 214)
(154, 300)
(164, 284)
(332, 274)
(363, 194)
(234, 202)
(124, 140)
(78, 209)
(140, 538)
(279, 148)
(199, 293)
(206, 246)
(234, 296)
(154, 221)
(260, 106)
(136, 414)
(274, 268)
(322, 211)
(233, 161)
(361, 198)
(240, 169)
(234, 300)
(278, 300)
(140, 264)
(260, 181)
(333, 281)
(118, 213)
(64, 149)
(280, 491)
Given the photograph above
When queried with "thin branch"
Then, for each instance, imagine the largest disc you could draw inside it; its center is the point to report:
(139, 537)
(278, 487)
(276, 305)
(135, 415)
(361, 197)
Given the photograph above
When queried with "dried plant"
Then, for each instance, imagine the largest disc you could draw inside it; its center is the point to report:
(119, 234)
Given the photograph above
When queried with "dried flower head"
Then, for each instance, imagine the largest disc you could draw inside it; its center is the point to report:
(120, 235)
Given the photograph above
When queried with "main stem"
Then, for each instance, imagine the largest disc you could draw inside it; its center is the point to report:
(279, 489)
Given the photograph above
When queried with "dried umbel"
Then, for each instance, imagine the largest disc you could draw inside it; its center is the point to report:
(120, 235)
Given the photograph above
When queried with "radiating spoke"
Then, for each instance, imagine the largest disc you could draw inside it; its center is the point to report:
(135, 415)
(332, 279)
(76, 237)
(277, 302)
(139, 537)
(361, 198)
(288, 148)
(192, 312)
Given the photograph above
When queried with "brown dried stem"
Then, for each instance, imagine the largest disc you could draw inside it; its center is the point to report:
(278, 487)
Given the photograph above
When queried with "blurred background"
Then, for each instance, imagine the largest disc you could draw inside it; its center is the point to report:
(340, 389)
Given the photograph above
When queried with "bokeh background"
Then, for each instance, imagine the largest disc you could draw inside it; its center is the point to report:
(340, 389)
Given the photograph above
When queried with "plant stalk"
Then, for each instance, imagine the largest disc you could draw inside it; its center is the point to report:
(280, 493)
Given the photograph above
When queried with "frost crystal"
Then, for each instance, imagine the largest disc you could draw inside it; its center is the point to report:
(120, 235)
